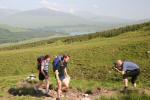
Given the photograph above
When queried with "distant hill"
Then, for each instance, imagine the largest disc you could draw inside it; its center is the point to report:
(102, 19)
(7, 12)
(42, 17)
(9, 34)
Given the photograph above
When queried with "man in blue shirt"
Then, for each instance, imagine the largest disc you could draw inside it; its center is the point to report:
(60, 69)
(128, 69)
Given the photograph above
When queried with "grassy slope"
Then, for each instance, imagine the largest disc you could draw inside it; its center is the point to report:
(90, 60)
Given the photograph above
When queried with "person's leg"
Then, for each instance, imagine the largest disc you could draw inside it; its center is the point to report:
(125, 79)
(37, 86)
(66, 82)
(47, 85)
(126, 82)
(41, 78)
(133, 81)
(135, 74)
(59, 91)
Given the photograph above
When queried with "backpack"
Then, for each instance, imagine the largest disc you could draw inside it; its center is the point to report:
(59, 58)
(39, 62)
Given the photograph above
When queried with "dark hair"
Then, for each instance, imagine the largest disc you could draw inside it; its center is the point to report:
(65, 56)
(47, 56)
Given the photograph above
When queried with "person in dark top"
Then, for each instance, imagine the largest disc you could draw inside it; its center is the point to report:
(44, 73)
(128, 69)
(60, 69)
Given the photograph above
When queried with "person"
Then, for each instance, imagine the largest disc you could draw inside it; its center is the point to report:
(128, 69)
(43, 67)
(62, 77)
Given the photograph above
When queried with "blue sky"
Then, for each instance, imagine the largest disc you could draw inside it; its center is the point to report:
(130, 9)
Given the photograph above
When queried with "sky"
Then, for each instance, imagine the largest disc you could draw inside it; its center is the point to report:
(129, 9)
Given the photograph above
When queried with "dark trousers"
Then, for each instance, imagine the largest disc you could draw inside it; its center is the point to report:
(133, 74)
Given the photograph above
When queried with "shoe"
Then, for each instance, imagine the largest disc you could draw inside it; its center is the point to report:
(125, 90)
(48, 95)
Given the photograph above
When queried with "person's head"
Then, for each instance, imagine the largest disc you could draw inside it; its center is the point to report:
(47, 57)
(66, 58)
(119, 64)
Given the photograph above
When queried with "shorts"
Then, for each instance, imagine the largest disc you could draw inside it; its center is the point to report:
(42, 77)
(65, 80)
(133, 74)
(62, 77)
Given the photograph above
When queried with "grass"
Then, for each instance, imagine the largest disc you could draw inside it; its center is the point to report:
(8, 83)
(89, 59)
(90, 66)
(126, 97)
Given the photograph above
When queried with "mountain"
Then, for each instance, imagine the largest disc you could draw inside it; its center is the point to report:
(9, 34)
(7, 12)
(101, 18)
(42, 17)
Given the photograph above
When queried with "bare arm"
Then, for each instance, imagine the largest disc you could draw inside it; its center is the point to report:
(42, 69)
(65, 70)
(122, 72)
(57, 77)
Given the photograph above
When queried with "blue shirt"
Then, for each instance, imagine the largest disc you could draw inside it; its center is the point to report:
(59, 65)
(129, 66)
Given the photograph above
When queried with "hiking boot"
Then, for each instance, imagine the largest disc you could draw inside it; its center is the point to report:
(125, 90)
(48, 95)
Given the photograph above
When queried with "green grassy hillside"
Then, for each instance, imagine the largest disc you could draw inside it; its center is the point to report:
(9, 34)
(91, 58)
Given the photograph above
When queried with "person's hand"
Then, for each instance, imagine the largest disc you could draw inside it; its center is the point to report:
(46, 77)
(67, 76)
(115, 68)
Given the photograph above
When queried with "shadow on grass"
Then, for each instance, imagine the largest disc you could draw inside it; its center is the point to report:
(23, 91)
(28, 90)
(129, 91)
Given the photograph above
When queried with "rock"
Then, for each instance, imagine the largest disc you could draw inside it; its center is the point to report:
(85, 95)
(148, 54)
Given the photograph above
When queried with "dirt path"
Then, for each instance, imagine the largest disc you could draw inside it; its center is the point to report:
(76, 95)
(24, 89)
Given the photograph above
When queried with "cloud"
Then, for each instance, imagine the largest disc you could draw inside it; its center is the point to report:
(3, 6)
(72, 10)
(52, 6)
(95, 6)
(57, 7)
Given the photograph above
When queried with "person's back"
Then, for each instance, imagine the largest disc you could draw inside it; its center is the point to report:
(45, 65)
(128, 66)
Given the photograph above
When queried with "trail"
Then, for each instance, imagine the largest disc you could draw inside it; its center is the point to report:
(26, 89)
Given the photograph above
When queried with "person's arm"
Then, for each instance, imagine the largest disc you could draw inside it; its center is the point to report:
(65, 70)
(122, 72)
(57, 77)
(42, 69)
